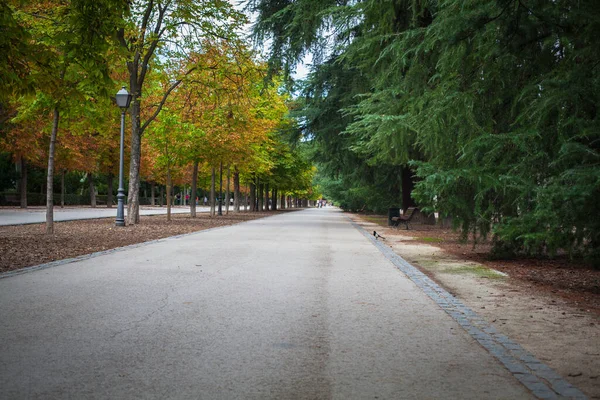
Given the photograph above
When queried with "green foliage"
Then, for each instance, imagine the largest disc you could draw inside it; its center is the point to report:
(493, 102)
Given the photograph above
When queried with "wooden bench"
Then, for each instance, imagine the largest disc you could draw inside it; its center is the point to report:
(404, 219)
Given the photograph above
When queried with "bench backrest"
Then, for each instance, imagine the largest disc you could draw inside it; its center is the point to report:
(409, 212)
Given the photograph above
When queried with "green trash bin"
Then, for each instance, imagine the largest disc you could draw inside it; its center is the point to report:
(393, 212)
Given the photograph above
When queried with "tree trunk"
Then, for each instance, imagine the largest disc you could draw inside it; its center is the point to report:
(274, 200)
(267, 206)
(169, 183)
(212, 191)
(23, 183)
(169, 191)
(50, 176)
(253, 197)
(62, 188)
(236, 190)
(408, 184)
(162, 196)
(282, 201)
(227, 191)
(194, 189)
(246, 201)
(133, 194)
(220, 196)
(261, 197)
(109, 194)
(92, 190)
(152, 197)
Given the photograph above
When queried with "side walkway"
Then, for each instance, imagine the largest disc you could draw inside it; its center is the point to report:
(17, 216)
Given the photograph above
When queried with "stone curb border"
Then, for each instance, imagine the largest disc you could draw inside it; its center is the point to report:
(57, 263)
(543, 382)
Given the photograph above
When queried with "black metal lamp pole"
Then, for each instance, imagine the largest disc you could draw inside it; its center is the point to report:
(123, 100)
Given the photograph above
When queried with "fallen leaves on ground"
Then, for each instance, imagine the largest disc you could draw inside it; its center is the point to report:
(27, 245)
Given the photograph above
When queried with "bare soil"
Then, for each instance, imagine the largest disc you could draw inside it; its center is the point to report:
(27, 245)
(575, 281)
(550, 307)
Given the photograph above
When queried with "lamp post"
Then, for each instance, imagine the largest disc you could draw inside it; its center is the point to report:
(123, 100)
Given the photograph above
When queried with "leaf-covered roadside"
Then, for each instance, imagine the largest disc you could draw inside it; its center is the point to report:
(28, 245)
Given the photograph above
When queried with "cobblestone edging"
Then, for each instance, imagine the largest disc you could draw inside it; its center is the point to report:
(543, 382)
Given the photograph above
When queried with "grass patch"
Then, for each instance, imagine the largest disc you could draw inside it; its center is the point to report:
(432, 265)
(477, 270)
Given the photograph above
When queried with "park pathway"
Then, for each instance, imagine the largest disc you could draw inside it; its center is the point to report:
(296, 306)
(37, 215)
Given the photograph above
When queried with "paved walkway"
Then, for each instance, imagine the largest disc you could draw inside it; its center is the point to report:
(36, 215)
(296, 306)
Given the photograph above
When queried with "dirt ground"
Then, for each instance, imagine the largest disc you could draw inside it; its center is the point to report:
(550, 307)
(27, 245)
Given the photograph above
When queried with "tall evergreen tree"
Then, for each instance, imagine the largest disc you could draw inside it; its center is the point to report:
(492, 103)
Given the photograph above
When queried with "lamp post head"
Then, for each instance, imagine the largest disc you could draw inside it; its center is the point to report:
(123, 98)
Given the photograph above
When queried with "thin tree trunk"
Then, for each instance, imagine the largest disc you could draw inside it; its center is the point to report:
(92, 190)
(23, 183)
(169, 191)
(50, 176)
(253, 196)
(162, 196)
(152, 197)
(282, 201)
(261, 196)
(194, 189)
(212, 191)
(246, 201)
(274, 200)
(227, 191)
(266, 194)
(220, 188)
(109, 194)
(133, 194)
(63, 189)
(169, 182)
(236, 190)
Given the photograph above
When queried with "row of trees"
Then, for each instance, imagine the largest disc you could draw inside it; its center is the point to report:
(483, 110)
(199, 100)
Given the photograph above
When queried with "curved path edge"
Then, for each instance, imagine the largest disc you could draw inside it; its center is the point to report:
(543, 382)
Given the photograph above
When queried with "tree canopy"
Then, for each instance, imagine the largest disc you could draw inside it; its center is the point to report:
(198, 93)
(489, 108)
